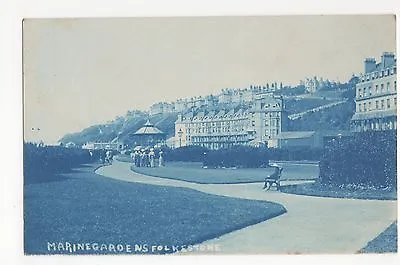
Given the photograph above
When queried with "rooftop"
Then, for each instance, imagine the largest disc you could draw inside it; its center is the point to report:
(295, 134)
(147, 129)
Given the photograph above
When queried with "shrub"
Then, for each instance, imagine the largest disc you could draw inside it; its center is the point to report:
(367, 159)
(240, 156)
(186, 153)
(42, 162)
(295, 153)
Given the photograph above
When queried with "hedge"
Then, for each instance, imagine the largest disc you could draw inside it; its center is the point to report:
(185, 153)
(239, 156)
(42, 162)
(366, 159)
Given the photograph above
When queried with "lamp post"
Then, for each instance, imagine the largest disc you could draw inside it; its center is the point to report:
(180, 132)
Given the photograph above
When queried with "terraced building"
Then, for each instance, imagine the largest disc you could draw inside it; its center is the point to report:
(258, 125)
(376, 96)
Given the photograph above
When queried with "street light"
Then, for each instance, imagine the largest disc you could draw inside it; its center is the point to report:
(180, 132)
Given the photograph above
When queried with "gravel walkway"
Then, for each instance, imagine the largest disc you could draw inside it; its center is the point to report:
(312, 225)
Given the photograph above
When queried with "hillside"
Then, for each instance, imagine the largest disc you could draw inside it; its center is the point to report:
(337, 117)
(334, 118)
(122, 126)
(296, 105)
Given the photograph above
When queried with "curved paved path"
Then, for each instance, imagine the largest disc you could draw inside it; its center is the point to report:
(311, 225)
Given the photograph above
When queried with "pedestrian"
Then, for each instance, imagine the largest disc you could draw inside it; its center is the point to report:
(109, 157)
(102, 156)
(147, 158)
(142, 158)
(91, 155)
(132, 155)
(161, 159)
(151, 157)
(137, 158)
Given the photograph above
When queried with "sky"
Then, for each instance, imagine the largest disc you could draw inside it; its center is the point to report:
(81, 72)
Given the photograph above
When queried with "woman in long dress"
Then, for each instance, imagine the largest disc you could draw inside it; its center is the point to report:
(161, 159)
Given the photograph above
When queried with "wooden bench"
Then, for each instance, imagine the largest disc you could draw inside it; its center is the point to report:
(273, 179)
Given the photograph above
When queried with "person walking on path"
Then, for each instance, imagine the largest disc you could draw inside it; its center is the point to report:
(151, 157)
(137, 158)
(161, 159)
(134, 158)
(109, 157)
(142, 158)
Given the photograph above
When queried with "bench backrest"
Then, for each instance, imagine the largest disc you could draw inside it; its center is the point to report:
(276, 176)
(280, 173)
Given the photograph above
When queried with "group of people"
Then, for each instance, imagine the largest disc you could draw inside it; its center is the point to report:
(147, 158)
(106, 156)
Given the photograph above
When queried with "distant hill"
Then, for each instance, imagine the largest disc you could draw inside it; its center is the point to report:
(337, 117)
(124, 127)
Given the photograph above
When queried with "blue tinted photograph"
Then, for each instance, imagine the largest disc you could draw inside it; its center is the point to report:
(210, 135)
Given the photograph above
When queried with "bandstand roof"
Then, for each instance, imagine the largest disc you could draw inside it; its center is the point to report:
(148, 129)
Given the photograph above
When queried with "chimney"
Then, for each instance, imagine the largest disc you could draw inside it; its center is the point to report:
(387, 59)
(370, 65)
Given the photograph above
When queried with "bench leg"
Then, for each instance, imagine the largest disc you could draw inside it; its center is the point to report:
(267, 185)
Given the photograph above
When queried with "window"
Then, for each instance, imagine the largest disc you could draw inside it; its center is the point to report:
(370, 105)
(370, 90)
(376, 89)
(381, 88)
(395, 102)
(365, 106)
(388, 87)
(382, 104)
(395, 85)
(377, 104)
(364, 91)
(388, 103)
(359, 107)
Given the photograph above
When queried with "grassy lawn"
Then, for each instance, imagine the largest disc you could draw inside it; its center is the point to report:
(82, 207)
(317, 189)
(384, 243)
(193, 172)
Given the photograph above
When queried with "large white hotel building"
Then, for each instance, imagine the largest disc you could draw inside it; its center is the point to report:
(376, 96)
(258, 125)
